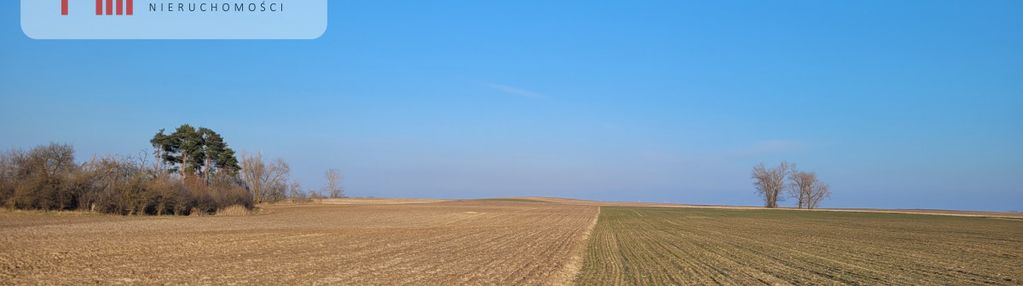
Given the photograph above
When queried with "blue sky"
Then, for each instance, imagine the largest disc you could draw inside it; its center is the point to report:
(896, 104)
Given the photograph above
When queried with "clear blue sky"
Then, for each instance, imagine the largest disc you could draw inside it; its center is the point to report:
(896, 104)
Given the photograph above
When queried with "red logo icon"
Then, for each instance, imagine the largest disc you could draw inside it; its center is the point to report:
(121, 8)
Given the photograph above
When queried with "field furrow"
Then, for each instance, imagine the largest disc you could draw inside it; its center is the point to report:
(707, 246)
(441, 243)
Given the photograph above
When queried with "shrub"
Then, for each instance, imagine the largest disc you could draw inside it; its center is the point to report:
(47, 178)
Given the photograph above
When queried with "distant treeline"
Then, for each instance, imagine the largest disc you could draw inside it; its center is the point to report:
(195, 172)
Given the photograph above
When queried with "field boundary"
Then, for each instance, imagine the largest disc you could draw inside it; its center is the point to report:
(574, 265)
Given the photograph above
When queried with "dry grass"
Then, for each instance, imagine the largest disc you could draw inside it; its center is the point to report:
(234, 211)
(448, 243)
(693, 246)
(375, 201)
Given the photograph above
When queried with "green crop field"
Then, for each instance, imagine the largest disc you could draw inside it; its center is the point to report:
(691, 246)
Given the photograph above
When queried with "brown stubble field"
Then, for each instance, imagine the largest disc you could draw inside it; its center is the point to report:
(704, 246)
(435, 243)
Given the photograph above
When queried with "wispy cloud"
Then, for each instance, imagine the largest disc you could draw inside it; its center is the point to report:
(514, 91)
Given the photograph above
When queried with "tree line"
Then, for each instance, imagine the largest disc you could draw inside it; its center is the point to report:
(195, 172)
(803, 186)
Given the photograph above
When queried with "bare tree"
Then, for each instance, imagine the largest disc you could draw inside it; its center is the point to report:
(770, 182)
(802, 186)
(7, 178)
(808, 191)
(295, 192)
(818, 193)
(334, 184)
(266, 182)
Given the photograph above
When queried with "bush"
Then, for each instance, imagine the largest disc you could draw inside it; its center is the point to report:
(37, 179)
(47, 178)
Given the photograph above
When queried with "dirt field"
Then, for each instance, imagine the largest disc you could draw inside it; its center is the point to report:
(445, 243)
(517, 241)
(375, 201)
(692, 246)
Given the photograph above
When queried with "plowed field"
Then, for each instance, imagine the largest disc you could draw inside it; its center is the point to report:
(510, 242)
(445, 243)
(691, 246)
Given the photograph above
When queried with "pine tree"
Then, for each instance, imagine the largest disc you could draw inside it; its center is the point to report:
(195, 152)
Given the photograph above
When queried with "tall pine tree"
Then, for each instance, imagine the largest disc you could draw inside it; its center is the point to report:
(195, 152)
